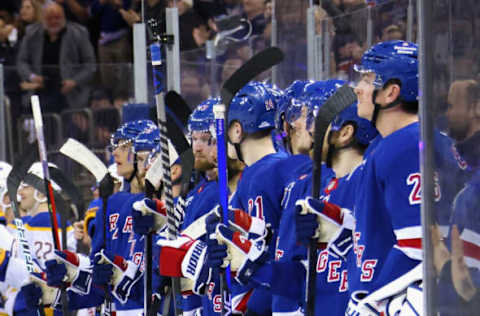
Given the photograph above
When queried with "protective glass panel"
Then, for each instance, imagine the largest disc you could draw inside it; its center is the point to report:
(455, 109)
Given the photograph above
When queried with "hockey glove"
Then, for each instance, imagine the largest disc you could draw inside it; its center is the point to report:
(148, 215)
(32, 294)
(241, 221)
(185, 257)
(70, 268)
(49, 296)
(245, 256)
(125, 275)
(326, 222)
(102, 272)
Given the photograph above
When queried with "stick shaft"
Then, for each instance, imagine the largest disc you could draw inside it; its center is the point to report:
(172, 232)
(37, 117)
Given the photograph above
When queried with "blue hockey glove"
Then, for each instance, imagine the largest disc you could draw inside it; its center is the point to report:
(56, 273)
(125, 275)
(50, 295)
(32, 295)
(148, 215)
(70, 268)
(102, 272)
(245, 256)
(325, 225)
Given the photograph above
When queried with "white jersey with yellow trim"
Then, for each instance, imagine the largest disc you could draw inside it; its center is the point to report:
(38, 233)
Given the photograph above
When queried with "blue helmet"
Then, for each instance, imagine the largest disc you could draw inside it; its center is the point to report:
(202, 119)
(129, 131)
(314, 95)
(365, 132)
(253, 107)
(294, 90)
(393, 60)
(147, 140)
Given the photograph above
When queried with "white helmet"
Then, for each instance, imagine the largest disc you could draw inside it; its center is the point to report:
(36, 169)
(5, 169)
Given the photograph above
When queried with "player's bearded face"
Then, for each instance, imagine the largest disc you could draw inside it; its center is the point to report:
(364, 91)
(204, 149)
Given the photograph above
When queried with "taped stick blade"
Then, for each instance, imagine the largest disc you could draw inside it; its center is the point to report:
(84, 156)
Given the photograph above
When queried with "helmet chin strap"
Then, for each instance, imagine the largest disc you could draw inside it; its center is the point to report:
(135, 169)
(38, 201)
(377, 107)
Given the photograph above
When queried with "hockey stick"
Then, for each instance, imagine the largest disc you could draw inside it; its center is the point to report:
(37, 118)
(252, 68)
(82, 155)
(52, 209)
(155, 50)
(340, 100)
(78, 152)
(178, 106)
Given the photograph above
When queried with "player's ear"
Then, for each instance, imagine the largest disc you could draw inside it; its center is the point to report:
(346, 134)
(392, 93)
(235, 132)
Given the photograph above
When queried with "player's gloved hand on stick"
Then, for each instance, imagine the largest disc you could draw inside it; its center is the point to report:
(245, 256)
(148, 215)
(241, 221)
(125, 274)
(102, 271)
(49, 295)
(326, 222)
(187, 258)
(30, 294)
(69, 268)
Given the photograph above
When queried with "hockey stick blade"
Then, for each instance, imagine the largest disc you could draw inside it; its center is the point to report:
(253, 67)
(341, 99)
(84, 156)
(178, 106)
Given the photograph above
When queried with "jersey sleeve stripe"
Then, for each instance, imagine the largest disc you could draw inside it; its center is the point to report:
(414, 253)
(408, 233)
(410, 243)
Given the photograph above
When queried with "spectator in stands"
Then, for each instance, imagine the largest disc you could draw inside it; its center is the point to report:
(254, 11)
(194, 31)
(114, 45)
(230, 66)
(75, 10)
(8, 38)
(100, 100)
(392, 32)
(30, 13)
(348, 52)
(56, 60)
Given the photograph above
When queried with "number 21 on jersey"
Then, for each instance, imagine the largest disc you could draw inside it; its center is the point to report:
(258, 204)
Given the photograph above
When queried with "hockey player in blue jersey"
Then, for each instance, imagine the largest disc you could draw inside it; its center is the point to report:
(250, 121)
(200, 200)
(387, 235)
(344, 145)
(119, 255)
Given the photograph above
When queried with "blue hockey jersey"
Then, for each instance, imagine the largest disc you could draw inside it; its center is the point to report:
(388, 232)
